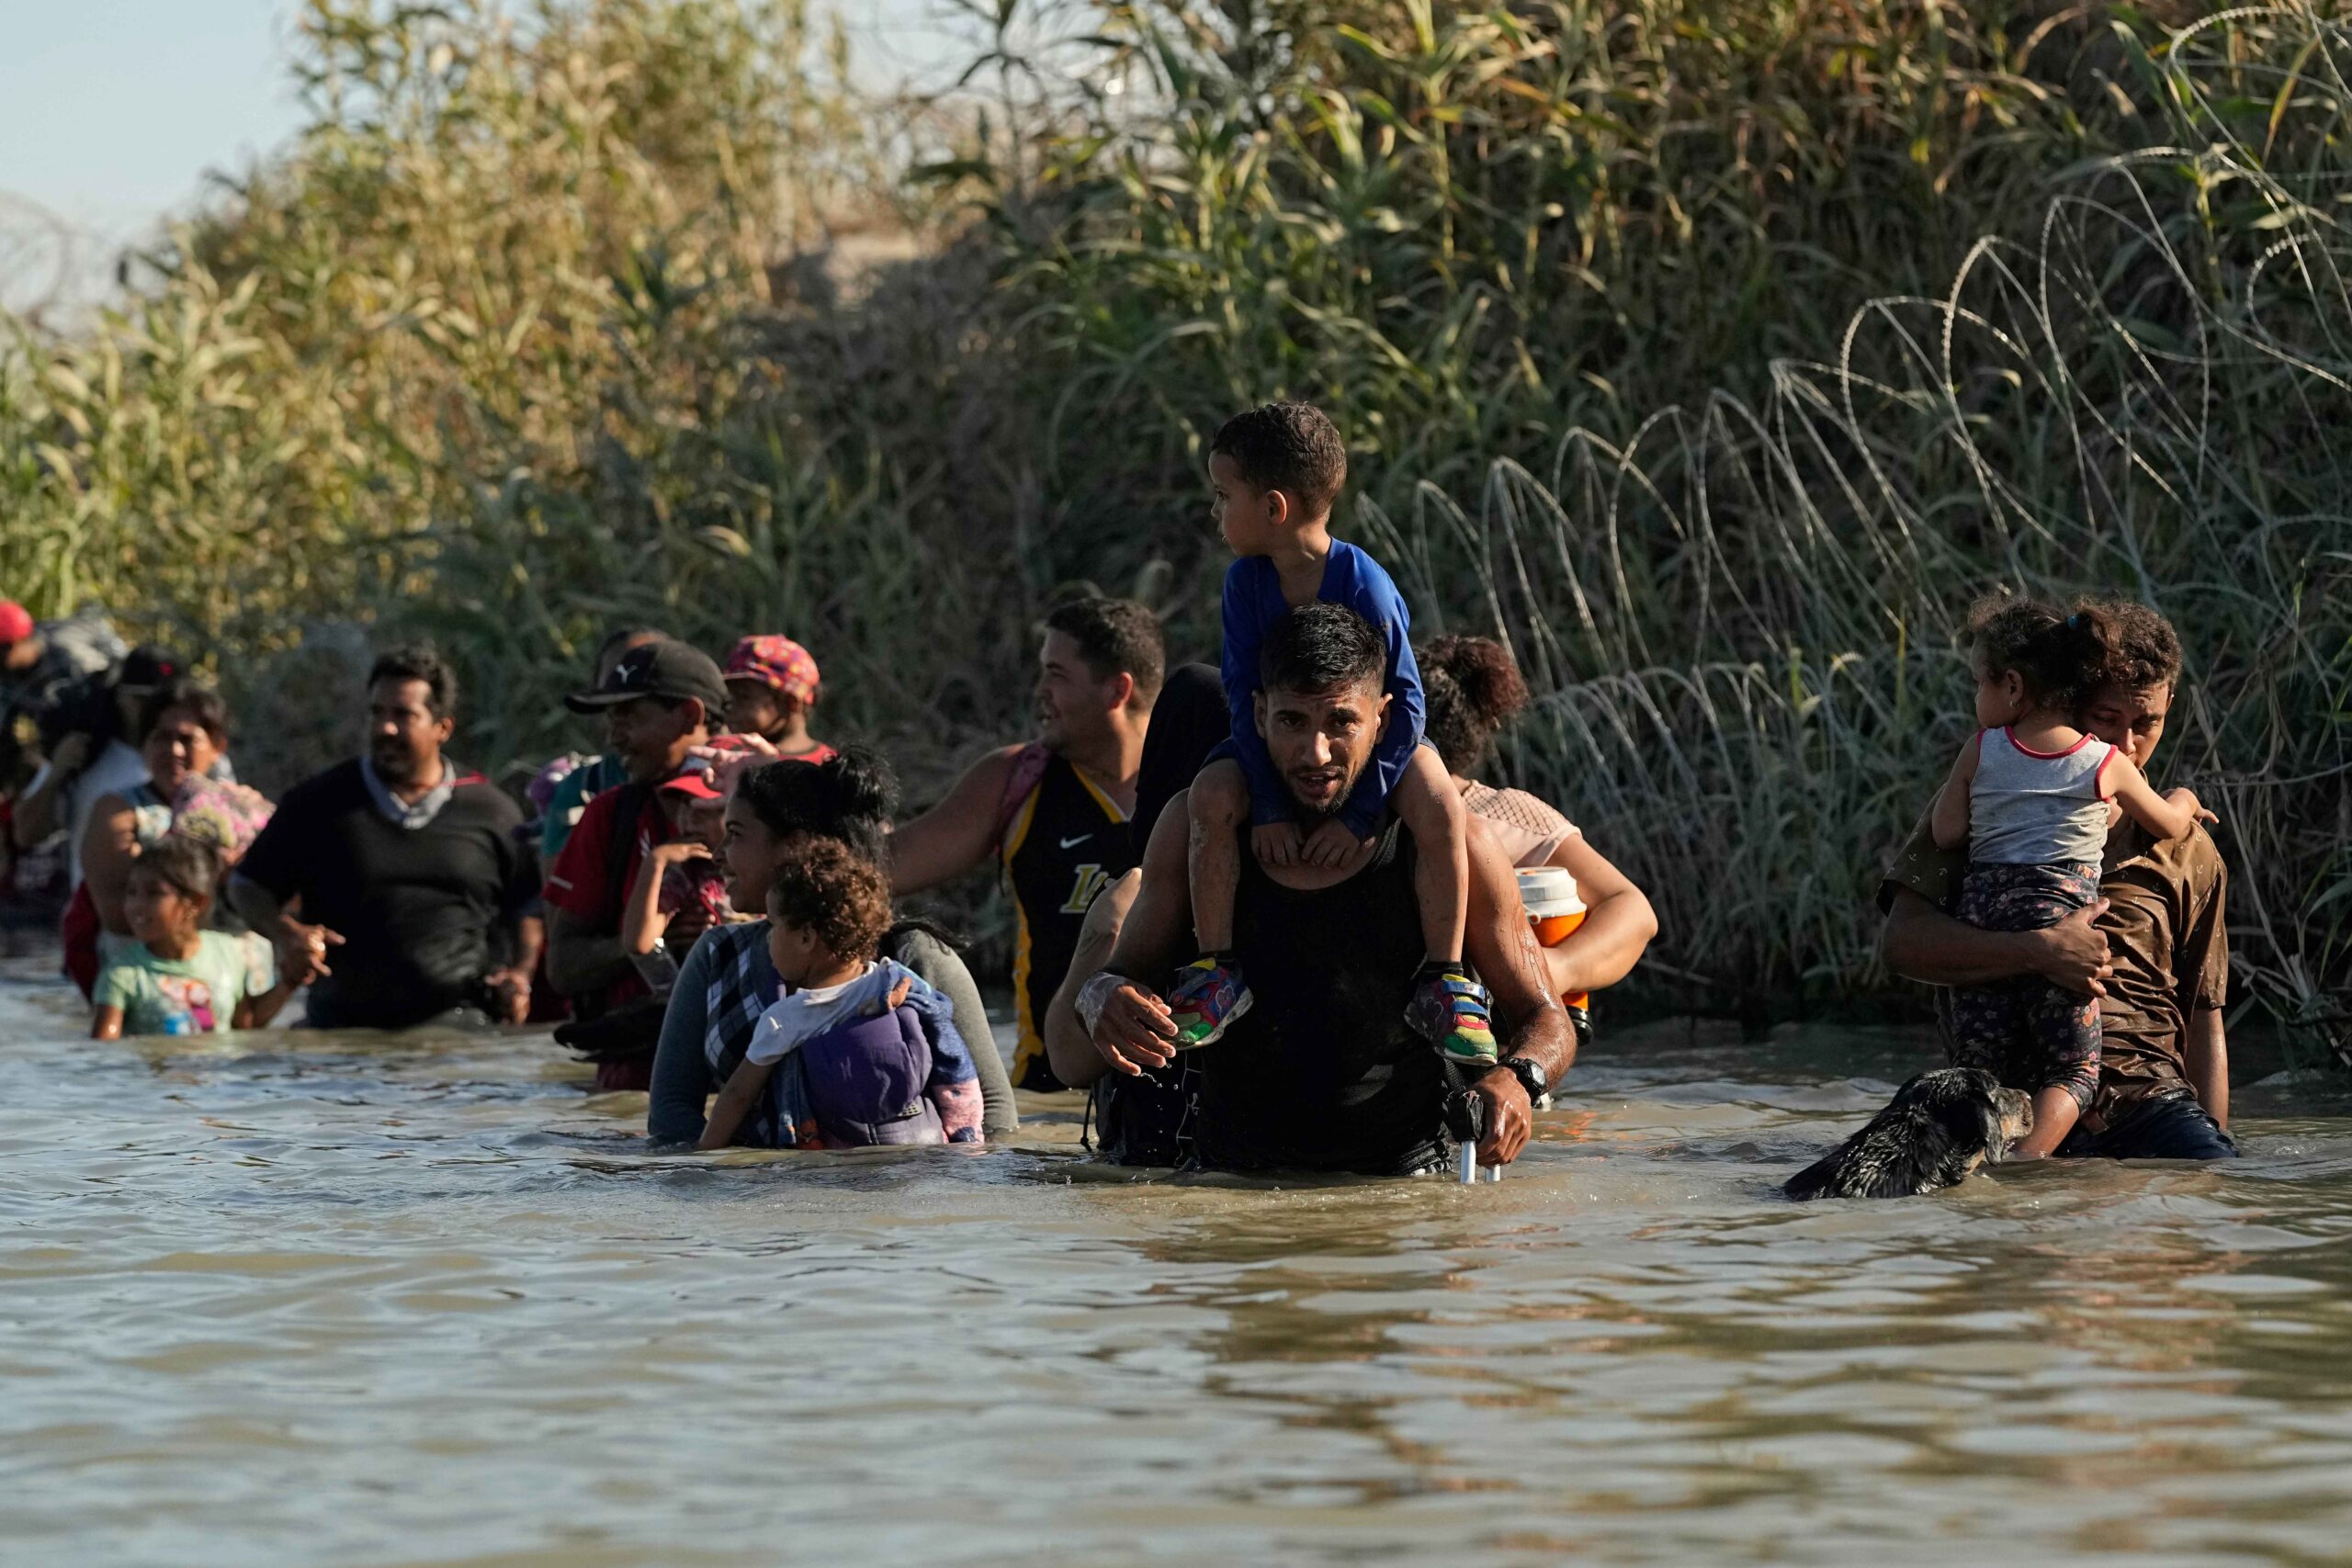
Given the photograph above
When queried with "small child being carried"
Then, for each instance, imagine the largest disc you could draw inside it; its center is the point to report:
(2032, 798)
(855, 1052)
(1275, 471)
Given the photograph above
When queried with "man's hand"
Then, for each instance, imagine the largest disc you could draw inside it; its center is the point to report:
(302, 950)
(731, 763)
(1332, 845)
(510, 994)
(2185, 798)
(1276, 844)
(1136, 1031)
(1509, 1116)
(2072, 953)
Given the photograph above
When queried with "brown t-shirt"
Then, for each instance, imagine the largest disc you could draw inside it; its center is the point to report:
(2164, 936)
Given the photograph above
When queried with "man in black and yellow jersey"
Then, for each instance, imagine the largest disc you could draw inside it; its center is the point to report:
(1053, 813)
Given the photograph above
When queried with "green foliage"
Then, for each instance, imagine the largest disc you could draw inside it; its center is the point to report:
(1716, 353)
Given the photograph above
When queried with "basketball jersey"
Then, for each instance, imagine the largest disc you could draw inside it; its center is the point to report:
(1065, 840)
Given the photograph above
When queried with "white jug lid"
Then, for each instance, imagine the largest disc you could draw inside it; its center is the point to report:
(1549, 892)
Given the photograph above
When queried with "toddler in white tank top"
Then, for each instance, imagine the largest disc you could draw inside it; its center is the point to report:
(2032, 798)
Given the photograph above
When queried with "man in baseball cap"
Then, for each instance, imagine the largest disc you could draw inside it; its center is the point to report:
(658, 701)
(770, 686)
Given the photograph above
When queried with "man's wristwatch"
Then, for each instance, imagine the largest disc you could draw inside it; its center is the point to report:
(1531, 1076)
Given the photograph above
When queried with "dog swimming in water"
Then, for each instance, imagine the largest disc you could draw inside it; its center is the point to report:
(1936, 1131)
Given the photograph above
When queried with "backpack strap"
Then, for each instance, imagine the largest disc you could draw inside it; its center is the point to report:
(628, 813)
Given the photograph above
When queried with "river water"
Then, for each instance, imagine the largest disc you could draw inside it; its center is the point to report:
(320, 1300)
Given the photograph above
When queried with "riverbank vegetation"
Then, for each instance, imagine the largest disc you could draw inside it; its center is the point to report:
(1715, 353)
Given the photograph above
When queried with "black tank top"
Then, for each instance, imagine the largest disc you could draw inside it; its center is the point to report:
(1321, 1073)
(1065, 844)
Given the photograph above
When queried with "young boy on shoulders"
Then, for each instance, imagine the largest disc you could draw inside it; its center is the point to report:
(1275, 473)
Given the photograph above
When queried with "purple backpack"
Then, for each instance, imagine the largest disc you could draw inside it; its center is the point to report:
(865, 1082)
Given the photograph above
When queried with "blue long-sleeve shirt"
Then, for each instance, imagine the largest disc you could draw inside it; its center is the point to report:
(1253, 603)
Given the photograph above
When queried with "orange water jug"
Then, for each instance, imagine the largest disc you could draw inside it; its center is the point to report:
(1555, 911)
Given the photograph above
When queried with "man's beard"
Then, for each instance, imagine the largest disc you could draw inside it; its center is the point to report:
(395, 764)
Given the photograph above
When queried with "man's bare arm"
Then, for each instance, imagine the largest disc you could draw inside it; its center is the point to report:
(2208, 1064)
(1134, 1030)
(1070, 1051)
(1921, 943)
(1500, 944)
(956, 835)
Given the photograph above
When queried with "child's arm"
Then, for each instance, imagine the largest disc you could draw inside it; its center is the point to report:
(2167, 817)
(741, 1092)
(255, 1012)
(1244, 639)
(106, 1023)
(643, 920)
(1374, 596)
(1949, 819)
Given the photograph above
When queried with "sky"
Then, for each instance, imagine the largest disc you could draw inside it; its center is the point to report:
(113, 112)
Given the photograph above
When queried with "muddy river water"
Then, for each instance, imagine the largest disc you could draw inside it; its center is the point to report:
(323, 1300)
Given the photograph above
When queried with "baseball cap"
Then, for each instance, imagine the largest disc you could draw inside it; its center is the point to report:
(661, 669)
(148, 666)
(16, 622)
(693, 781)
(778, 664)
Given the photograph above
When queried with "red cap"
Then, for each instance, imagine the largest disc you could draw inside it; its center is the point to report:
(16, 623)
(693, 781)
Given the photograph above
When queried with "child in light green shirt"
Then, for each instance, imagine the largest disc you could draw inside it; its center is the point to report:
(175, 978)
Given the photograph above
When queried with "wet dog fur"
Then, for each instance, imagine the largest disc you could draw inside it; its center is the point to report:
(1937, 1129)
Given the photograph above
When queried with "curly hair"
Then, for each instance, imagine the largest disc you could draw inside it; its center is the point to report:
(831, 889)
(2146, 650)
(1473, 688)
(2063, 654)
(1291, 447)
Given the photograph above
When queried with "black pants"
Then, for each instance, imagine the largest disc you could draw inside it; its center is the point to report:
(2170, 1127)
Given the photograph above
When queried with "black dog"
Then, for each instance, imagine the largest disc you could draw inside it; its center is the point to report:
(1938, 1128)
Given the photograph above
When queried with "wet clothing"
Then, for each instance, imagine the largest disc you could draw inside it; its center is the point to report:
(2166, 938)
(1322, 1072)
(2029, 808)
(727, 983)
(2026, 1031)
(2169, 1126)
(1253, 603)
(1063, 842)
(197, 995)
(1527, 828)
(591, 880)
(850, 1070)
(424, 912)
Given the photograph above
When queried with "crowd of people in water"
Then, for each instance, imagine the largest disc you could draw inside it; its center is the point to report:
(1268, 913)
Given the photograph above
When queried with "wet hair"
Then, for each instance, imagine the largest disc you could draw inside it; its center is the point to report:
(1291, 447)
(419, 661)
(1319, 648)
(831, 889)
(2063, 654)
(1473, 688)
(1188, 722)
(198, 699)
(189, 865)
(848, 798)
(2145, 651)
(1115, 637)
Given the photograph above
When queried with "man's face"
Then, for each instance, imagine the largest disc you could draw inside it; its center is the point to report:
(1322, 741)
(1248, 519)
(404, 740)
(21, 654)
(651, 736)
(2132, 718)
(1074, 704)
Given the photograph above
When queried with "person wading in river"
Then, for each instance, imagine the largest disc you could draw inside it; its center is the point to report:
(1323, 1074)
(2154, 948)
(1054, 813)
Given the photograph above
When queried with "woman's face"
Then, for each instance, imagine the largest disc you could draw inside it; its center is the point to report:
(751, 851)
(178, 749)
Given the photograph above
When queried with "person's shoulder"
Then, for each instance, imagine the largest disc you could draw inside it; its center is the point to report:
(330, 784)
(479, 793)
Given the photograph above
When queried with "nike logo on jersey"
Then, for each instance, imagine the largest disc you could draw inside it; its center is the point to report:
(1073, 843)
